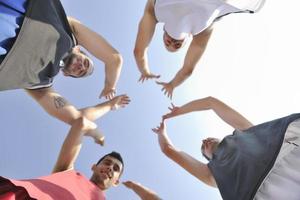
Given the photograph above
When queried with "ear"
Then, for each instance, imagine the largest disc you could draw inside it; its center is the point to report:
(93, 167)
(76, 48)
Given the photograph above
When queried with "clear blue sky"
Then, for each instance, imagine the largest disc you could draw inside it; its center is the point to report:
(251, 63)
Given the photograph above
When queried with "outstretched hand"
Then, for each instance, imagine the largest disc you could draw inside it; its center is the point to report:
(161, 129)
(167, 88)
(93, 131)
(119, 101)
(130, 184)
(108, 93)
(174, 112)
(146, 76)
(97, 135)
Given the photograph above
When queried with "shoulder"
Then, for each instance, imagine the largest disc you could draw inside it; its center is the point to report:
(73, 23)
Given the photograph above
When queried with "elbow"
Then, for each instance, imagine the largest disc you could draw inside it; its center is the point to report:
(82, 123)
(211, 101)
(117, 60)
(79, 122)
(167, 149)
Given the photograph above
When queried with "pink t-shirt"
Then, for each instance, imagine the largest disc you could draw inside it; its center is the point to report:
(69, 185)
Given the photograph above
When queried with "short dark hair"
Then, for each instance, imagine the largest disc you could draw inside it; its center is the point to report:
(115, 155)
(69, 58)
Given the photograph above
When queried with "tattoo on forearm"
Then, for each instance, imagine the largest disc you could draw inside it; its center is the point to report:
(59, 102)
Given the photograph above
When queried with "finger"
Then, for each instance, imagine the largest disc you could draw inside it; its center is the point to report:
(166, 116)
(143, 79)
(101, 95)
(173, 105)
(154, 130)
(139, 80)
(159, 83)
(157, 76)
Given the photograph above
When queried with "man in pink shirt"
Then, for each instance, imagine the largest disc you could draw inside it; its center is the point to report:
(65, 183)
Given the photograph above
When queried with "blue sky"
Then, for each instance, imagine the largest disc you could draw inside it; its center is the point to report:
(251, 63)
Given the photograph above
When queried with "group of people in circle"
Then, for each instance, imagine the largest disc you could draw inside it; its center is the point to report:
(38, 40)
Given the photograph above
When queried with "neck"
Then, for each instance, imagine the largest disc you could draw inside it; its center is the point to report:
(97, 184)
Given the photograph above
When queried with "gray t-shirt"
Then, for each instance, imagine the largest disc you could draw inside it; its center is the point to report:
(243, 159)
(45, 37)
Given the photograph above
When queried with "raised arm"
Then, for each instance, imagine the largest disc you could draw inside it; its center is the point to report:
(190, 164)
(226, 113)
(102, 50)
(145, 33)
(58, 107)
(193, 55)
(143, 192)
(72, 144)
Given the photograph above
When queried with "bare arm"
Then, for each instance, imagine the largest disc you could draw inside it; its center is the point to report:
(143, 192)
(190, 164)
(72, 144)
(193, 55)
(60, 108)
(226, 113)
(145, 33)
(102, 50)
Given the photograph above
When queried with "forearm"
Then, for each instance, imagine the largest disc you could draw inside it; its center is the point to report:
(113, 69)
(70, 148)
(192, 57)
(181, 76)
(165, 144)
(196, 105)
(95, 112)
(141, 58)
(145, 193)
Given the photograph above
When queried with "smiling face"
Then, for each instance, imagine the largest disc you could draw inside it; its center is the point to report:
(209, 145)
(77, 64)
(107, 172)
(172, 44)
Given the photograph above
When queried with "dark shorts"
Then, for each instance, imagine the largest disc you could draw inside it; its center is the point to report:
(9, 191)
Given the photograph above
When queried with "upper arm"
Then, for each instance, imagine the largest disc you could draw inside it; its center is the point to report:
(196, 49)
(146, 28)
(190, 164)
(229, 115)
(93, 42)
(55, 104)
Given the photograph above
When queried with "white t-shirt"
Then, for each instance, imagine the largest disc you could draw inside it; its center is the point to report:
(184, 17)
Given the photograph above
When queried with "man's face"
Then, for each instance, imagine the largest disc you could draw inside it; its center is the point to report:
(107, 173)
(209, 145)
(79, 65)
(171, 44)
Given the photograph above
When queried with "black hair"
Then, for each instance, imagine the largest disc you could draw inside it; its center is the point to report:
(113, 154)
(68, 59)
